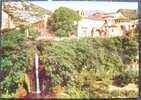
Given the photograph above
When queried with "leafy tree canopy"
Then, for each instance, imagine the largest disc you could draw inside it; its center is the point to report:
(62, 21)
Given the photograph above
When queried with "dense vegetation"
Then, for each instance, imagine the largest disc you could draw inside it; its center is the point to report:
(62, 21)
(80, 63)
(15, 60)
(82, 67)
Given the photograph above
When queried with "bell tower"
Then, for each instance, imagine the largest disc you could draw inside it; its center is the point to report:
(81, 13)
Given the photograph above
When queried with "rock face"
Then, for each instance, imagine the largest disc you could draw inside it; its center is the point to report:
(129, 87)
(21, 91)
(31, 76)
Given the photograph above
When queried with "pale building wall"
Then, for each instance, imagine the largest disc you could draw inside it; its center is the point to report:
(7, 21)
(85, 27)
(116, 31)
(4, 21)
(110, 21)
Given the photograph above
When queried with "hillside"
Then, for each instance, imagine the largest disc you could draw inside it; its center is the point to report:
(93, 12)
(131, 14)
(24, 12)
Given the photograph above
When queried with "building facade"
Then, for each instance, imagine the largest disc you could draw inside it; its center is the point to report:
(7, 21)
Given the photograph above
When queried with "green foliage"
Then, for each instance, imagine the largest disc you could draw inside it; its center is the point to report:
(77, 64)
(134, 34)
(76, 93)
(7, 95)
(61, 33)
(62, 21)
(13, 39)
(128, 76)
(15, 60)
(106, 57)
(84, 85)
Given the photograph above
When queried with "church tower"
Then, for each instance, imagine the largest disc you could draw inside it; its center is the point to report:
(81, 13)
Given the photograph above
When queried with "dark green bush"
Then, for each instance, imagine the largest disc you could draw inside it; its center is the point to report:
(15, 60)
(61, 33)
(13, 39)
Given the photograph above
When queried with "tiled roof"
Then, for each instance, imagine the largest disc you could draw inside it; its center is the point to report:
(25, 15)
(97, 17)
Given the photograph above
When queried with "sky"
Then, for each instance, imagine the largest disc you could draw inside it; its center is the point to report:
(87, 5)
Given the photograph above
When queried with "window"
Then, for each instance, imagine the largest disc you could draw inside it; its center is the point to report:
(84, 28)
(85, 31)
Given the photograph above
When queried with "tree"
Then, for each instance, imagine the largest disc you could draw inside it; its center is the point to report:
(62, 21)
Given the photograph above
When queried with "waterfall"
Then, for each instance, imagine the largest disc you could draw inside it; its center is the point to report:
(37, 73)
(27, 32)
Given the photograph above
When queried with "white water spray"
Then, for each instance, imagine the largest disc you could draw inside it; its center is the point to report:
(27, 32)
(37, 73)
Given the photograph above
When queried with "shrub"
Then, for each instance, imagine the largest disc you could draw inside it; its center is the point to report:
(13, 39)
(128, 76)
(15, 60)
(61, 33)
(7, 95)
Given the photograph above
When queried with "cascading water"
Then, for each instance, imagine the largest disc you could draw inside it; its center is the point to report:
(37, 73)
(27, 32)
